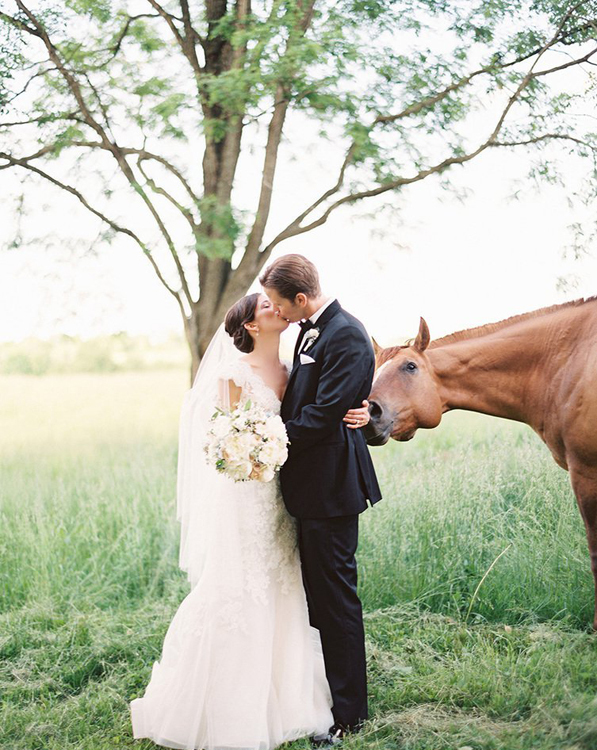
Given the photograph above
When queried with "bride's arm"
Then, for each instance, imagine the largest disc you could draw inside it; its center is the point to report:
(229, 393)
(356, 418)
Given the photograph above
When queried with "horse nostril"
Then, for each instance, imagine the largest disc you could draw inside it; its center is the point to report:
(375, 410)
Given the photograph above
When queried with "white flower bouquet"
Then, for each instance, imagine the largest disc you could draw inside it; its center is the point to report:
(246, 443)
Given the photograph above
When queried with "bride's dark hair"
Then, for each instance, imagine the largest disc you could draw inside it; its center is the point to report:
(240, 313)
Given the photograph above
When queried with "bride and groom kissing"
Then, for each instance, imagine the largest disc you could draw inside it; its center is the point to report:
(268, 646)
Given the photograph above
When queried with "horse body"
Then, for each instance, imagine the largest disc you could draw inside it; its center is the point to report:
(539, 368)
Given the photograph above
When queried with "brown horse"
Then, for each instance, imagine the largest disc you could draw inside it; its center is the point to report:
(539, 368)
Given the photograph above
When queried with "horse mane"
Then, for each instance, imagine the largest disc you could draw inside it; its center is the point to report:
(483, 330)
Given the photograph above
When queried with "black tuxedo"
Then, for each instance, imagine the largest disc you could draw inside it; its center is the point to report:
(326, 482)
(329, 471)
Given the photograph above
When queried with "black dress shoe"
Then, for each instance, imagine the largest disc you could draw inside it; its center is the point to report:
(334, 736)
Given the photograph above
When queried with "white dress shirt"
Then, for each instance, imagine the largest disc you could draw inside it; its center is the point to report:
(315, 317)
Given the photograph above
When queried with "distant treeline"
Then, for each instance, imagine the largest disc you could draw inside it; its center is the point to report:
(115, 353)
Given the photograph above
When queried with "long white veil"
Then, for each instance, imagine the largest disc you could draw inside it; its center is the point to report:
(199, 483)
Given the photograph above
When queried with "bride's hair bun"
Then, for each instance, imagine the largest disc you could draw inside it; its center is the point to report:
(240, 313)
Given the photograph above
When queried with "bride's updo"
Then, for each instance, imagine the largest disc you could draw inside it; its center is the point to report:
(240, 313)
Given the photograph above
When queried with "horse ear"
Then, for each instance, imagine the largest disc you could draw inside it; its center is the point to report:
(376, 347)
(423, 337)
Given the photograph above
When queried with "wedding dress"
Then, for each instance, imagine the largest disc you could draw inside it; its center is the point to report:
(241, 668)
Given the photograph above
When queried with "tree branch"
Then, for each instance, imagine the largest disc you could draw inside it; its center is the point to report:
(251, 257)
(127, 151)
(190, 32)
(169, 18)
(41, 118)
(418, 107)
(39, 74)
(19, 24)
(15, 162)
(295, 228)
(570, 63)
(547, 137)
(110, 145)
(161, 191)
(186, 43)
(269, 168)
(145, 154)
(115, 48)
(414, 109)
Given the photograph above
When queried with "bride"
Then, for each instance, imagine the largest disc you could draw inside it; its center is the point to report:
(241, 668)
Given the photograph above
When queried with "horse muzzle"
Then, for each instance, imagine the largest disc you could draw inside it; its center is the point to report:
(379, 428)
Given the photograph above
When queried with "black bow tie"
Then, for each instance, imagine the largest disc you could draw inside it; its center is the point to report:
(306, 325)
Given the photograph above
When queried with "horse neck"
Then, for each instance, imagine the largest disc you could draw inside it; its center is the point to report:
(500, 373)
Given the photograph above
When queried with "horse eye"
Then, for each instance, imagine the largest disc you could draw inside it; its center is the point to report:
(411, 366)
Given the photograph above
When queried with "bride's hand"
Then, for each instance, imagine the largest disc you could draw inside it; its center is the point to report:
(356, 418)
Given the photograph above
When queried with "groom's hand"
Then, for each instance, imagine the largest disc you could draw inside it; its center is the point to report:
(356, 418)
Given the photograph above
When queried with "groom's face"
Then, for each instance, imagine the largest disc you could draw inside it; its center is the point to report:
(291, 310)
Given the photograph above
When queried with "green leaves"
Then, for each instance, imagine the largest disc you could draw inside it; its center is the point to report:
(405, 88)
(154, 86)
(98, 10)
(219, 229)
(145, 36)
(65, 138)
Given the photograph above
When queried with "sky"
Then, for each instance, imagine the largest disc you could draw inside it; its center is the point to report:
(457, 264)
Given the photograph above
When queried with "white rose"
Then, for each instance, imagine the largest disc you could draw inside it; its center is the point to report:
(274, 428)
(243, 468)
(282, 455)
(221, 426)
(247, 443)
(267, 474)
(231, 446)
(269, 454)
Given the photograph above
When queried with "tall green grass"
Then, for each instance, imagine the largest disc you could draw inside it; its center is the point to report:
(474, 492)
(87, 492)
(87, 507)
(474, 575)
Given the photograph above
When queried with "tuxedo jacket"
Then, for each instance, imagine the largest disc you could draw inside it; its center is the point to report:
(329, 471)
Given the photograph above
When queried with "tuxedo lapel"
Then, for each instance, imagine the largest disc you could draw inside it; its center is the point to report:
(297, 345)
(325, 317)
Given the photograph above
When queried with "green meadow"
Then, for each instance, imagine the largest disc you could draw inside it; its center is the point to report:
(474, 575)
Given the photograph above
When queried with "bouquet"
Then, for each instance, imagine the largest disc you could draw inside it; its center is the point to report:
(246, 443)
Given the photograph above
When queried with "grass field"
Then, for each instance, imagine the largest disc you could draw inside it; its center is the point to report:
(474, 575)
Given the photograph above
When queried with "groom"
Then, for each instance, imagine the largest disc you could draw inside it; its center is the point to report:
(328, 477)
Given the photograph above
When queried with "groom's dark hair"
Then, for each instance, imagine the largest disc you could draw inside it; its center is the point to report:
(290, 275)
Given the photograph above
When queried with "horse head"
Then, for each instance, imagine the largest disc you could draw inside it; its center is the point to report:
(405, 393)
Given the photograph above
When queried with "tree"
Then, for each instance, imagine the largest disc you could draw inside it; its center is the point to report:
(169, 93)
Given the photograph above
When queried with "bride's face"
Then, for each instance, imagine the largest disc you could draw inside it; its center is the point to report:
(266, 317)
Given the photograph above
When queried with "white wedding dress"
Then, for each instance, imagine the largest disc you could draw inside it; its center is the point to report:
(241, 668)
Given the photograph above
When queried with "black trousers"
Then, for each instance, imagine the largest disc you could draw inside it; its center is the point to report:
(327, 548)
